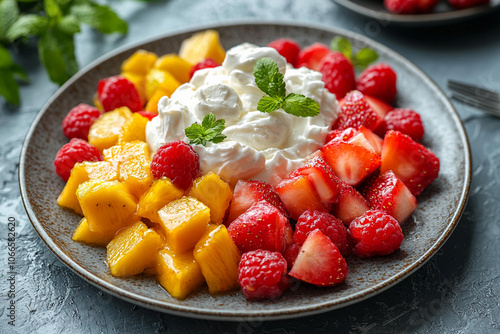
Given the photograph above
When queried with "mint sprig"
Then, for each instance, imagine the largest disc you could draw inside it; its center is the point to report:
(270, 80)
(210, 130)
(360, 59)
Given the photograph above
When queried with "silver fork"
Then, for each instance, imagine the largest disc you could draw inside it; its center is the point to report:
(475, 96)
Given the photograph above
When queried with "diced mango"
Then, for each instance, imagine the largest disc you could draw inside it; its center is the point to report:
(161, 192)
(218, 258)
(140, 62)
(81, 172)
(205, 44)
(134, 129)
(179, 274)
(184, 221)
(107, 205)
(157, 78)
(106, 130)
(152, 104)
(214, 193)
(133, 250)
(84, 235)
(138, 81)
(177, 66)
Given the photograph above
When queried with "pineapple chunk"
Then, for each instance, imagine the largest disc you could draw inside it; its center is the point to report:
(184, 221)
(157, 78)
(133, 250)
(214, 193)
(177, 66)
(218, 258)
(161, 192)
(106, 130)
(140, 62)
(179, 274)
(107, 205)
(134, 129)
(205, 44)
(84, 235)
(81, 172)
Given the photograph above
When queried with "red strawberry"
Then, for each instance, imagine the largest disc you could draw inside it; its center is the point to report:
(351, 204)
(262, 226)
(288, 48)
(375, 233)
(378, 81)
(338, 74)
(117, 91)
(291, 253)
(341, 134)
(148, 114)
(319, 262)
(77, 150)
(351, 163)
(378, 106)
(410, 6)
(205, 63)
(460, 4)
(412, 163)
(312, 56)
(374, 140)
(388, 194)
(77, 122)
(247, 193)
(355, 111)
(405, 121)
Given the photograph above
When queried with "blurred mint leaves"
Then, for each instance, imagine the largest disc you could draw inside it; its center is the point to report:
(53, 23)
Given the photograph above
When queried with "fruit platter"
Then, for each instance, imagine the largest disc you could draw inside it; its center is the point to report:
(246, 171)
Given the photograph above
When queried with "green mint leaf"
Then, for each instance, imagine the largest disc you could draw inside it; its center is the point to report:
(210, 130)
(52, 9)
(342, 45)
(9, 70)
(69, 25)
(9, 13)
(268, 78)
(100, 17)
(27, 25)
(300, 105)
(268, 104)
(364, 57)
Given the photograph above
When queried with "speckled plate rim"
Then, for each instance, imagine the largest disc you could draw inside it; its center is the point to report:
(419, 20)
(245, 315)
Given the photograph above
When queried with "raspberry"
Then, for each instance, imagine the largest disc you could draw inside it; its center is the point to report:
(262, 274)
(177, 161)
(77, 122)
(312, 56)
(410, 6)
(459, 4)
(338, 74)
(288, 48)
(379, 81)
(331, 227)
(148, 114)
(117, 91)
(206, 63)
(405, 121)
(77, 150)
(375, 233)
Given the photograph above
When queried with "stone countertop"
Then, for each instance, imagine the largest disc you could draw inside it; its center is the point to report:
(457, 291)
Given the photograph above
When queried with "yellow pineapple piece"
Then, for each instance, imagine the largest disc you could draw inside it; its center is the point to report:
(161, 192)
(81, 172)
(133, 250)
(157, 78)
(84, 235)
(175, 65)
(218, 258)
(107, 205)
(140, 62)
(106, 130)
(179, 274)
(138, 81)
(134, 129)
(205, 44)
(184, 221)
(214, 193)
(132, 161)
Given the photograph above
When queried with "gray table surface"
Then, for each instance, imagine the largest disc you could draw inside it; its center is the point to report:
(457, 291)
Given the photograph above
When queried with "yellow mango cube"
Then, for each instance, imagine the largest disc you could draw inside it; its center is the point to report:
(133, 250)
(175, 65)
(214, 193)
(157, 78)
(179, 274)
(106, 130)
(84, 235)
(134, 129)
(140, 62)
(138, 81)
(218, 258)
(205, 44)
(184, 221)
(161, 192)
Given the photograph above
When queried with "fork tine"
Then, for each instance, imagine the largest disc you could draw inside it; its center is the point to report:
(486, 107)
(474, 91)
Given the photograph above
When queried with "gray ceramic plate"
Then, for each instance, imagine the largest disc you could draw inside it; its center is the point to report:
(442, 15)
(440, 206)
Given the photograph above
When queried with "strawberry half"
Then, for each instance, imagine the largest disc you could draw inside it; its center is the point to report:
(312, 56)
(356, 111)
(412, 163)
(351, 204)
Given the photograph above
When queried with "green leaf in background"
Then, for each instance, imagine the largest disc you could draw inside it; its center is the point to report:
(360, 59)
(364, 57)
(8, 15)
(69, 25)
(27, 25)
(342, 45)
(57, 53)
(99, 17)
(52, 9)
(9, 71)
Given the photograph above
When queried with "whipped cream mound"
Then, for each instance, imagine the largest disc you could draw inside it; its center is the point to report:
(259, 146)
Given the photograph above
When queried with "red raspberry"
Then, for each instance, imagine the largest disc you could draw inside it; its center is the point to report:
(375, 233)
(331, 227)
(262, 274)
(77, 150)
(338, 74)
(459, 4)
(379, 81)
(117, 91)
(148, 114)
(177, 161)
(77, 122)
(405, 121)
(312, 56)
(206, 63)
(288, 48)
(410, 6)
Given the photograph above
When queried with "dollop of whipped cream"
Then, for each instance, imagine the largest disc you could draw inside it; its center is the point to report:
(259, 146)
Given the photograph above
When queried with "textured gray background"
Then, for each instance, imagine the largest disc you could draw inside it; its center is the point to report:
(457, 291)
